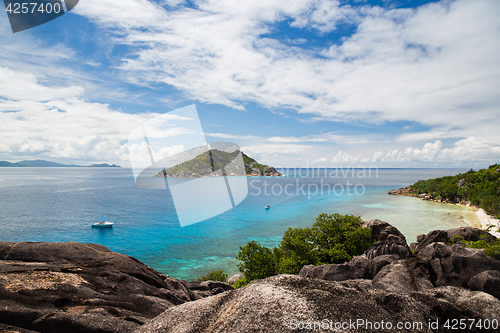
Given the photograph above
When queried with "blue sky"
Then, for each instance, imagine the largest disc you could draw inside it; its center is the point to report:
(294, 83)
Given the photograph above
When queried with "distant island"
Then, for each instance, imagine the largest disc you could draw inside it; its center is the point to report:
(48, 164)
(216, 163)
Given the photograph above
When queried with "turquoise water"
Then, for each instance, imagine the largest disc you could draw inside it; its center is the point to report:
(59, 204)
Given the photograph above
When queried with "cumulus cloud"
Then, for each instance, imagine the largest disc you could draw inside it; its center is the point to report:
(434, 65)
(53, 121)
(232, 136)
(466, 152)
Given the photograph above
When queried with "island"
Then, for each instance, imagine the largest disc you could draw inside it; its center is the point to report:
(217, 163)
(49, 164)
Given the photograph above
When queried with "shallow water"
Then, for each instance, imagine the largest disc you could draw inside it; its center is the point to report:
(60, 204)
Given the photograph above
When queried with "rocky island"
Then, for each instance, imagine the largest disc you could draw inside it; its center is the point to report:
(74, 287)
(217, 163)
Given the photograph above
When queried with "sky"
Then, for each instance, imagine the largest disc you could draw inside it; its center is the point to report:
(294, 83)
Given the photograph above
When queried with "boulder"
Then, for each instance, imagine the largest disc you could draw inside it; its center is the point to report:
(389, 240)
(235, 278)
(395, 277)
(377, 263)
(420, 238)
(289, 303)
(208, 288)
(455, 265)
(357, 268)
(470, 234)
(461, 183)
(487, 281)
(75, 287)
(432, 237)
(398, 277)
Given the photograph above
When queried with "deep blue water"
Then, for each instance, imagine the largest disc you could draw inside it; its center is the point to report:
(60, 204)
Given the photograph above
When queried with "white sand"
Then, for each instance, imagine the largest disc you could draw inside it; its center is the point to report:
(487, 220)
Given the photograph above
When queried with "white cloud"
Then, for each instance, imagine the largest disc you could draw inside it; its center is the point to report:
(56, 122)
(434, 65)
(232, 136)
(274, 149)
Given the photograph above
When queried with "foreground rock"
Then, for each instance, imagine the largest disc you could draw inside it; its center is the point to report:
(74, 287)
(282, 303)
(385, 286)
(432, 264)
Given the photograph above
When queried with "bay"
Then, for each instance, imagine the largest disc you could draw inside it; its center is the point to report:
(60, 204)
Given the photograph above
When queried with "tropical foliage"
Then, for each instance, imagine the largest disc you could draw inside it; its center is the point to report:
(332, 239)
(214, 275)
(481, 188)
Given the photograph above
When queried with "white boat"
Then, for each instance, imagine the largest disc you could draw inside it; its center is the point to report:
(267, 207)
(102, 224)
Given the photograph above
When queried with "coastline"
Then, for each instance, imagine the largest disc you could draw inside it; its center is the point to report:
(487, 220)
(483, 219)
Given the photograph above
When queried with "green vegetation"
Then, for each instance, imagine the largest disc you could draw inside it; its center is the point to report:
(241, 282)
(214, 275)
(491, 248)
(332, 239)
(215, 160)
(481, 188)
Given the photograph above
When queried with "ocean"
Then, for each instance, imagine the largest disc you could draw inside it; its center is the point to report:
(60, 204)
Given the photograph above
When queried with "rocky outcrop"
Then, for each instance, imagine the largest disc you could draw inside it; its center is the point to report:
(433, 263)
(389, 240)
(455, 265)
(289, 303)
(467, 233)
(487, 281)
(75, 287)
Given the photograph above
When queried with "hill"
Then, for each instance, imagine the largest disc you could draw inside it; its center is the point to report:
(479, 188)
(48, 164)
(214, 163)
(104, 165)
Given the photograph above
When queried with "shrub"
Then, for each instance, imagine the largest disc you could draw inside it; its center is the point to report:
(241, 282)
(257, 261)
(491, 248)
(332, 239)
(214, 275)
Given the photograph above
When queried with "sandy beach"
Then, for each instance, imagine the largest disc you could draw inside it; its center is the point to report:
(487, 220)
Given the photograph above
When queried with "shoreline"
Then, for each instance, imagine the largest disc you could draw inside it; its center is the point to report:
(483, 219)
(487, 220)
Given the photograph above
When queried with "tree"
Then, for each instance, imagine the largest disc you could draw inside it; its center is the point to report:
(340, 237)
(333, 238)
(257, 261)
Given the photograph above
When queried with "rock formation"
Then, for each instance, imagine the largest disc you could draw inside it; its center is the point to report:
(286, 303)
(74, 287)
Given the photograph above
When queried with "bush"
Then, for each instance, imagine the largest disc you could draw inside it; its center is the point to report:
(241, 282)
(332, 239)
(214, 275)
(257, 261)
(491, 248)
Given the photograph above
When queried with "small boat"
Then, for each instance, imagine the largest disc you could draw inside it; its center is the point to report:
(102, 224)
(267, 207)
